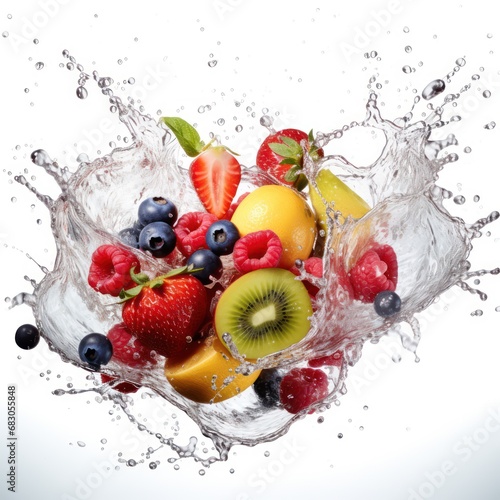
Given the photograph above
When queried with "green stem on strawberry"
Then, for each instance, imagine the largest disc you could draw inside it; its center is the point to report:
(143, 280)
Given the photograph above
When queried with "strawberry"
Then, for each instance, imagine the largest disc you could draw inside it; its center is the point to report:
(110, 269)
(375, 271)
(165, 313)
(313, 266)
(281, 155)
(215, 173)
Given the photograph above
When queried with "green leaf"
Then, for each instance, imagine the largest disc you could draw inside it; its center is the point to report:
(289, 161)
(292, 144)
(292, 174)
(130, 293)
(186, 134)
(310, 137)
(281, 149)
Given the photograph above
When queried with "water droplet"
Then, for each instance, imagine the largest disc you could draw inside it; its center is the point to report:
(406, 69)
(489, 35)
(81, 444)
(433, 89)
(477, 312)
(153, 465)
(460, 62)
(361, 428)
(406, 29)
(476, 77)
(221, 121)
(267, 454)
(490, 126)
(497, 309)
(131, 462)
(486, 94)
(476, 198)
(131, 80)
(104, 441)
(81, 92)
(321, 420)
(36, 41)
(201, 472)
(365, 407)
(176, 467)
(467, 149)
(39, 65)
(340, 435)
(5, 34)
(238, 128)
(13, 199)
(459, 200)
(231, 471)
(212, 63)
(408, 49)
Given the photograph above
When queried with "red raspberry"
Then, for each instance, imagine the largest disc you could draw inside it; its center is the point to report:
(334, 359)
(191, 229)
(257, 251)
(313, 266)
(376, 271)
(127, 348)
(123, 387)
(110, 269)
(302, 387)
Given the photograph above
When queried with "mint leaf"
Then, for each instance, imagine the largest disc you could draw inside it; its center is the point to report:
(186, 134)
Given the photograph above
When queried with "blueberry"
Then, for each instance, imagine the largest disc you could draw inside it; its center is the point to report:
(95, 349)
(221, 237)
(209, 262)
(158, 238)
(27, 336)
(130, 236)
(157, 209)
(387, 303)
(267, 387)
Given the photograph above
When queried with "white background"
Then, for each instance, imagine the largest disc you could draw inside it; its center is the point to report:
(305, 63)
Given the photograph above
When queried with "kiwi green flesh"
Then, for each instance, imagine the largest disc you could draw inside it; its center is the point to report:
(264, 311)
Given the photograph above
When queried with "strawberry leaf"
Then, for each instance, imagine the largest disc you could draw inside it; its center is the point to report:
(289, 161)
(310, 137)
(186, 134)
(292, 174)
(281, 149)
(292, 144)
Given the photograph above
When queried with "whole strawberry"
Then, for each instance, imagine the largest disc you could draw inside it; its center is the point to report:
(165, 313)
(281, 155)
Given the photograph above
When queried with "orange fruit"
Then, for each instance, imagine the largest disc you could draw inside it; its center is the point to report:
(282, 210)
(208, 375)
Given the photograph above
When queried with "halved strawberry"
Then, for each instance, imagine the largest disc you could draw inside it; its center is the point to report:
(215, 172)
(215, 175)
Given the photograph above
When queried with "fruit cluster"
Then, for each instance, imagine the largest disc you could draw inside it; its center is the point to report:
(265, 242)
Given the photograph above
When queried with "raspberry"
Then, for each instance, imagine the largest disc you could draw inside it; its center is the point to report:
(110, 269)
(128, 349)
(123, 387)
(376, 271)
(257, 251)
(334, 359)
(302, 387)
(314, 267)
(191, 229)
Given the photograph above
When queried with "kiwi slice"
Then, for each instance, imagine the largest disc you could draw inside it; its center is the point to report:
(264, 311)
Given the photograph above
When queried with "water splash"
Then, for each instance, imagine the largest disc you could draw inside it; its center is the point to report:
(102, 197)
